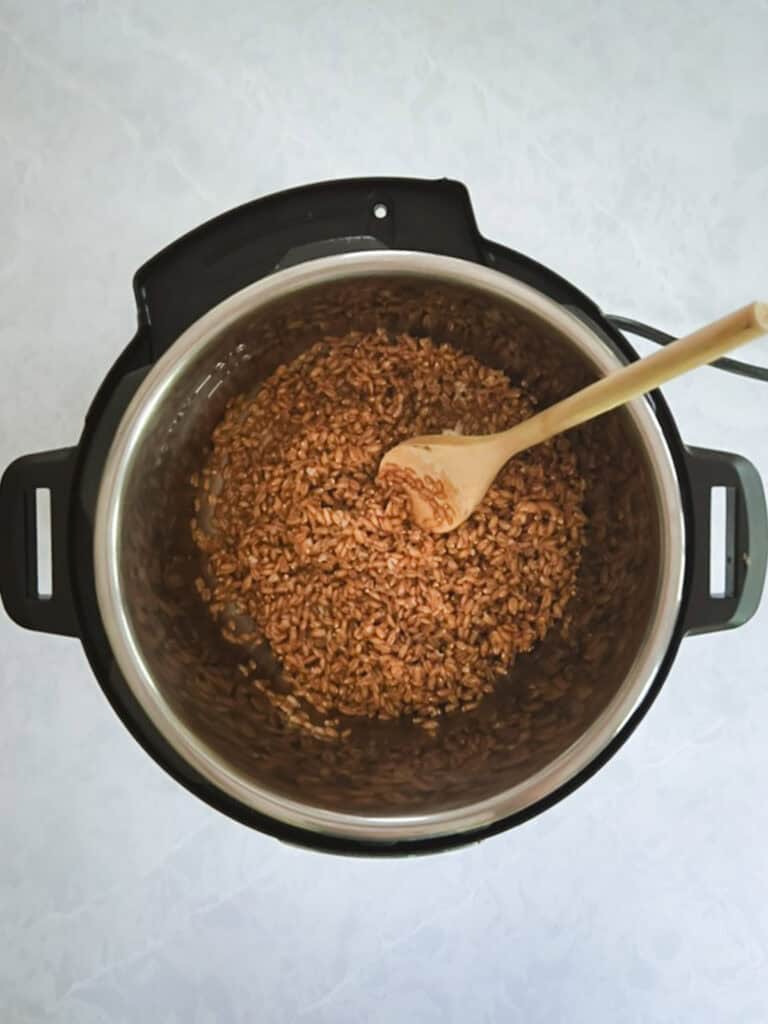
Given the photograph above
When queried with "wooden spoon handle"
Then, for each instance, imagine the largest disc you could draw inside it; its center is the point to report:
(703, 346)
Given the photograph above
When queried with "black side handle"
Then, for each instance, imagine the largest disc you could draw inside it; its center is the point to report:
(204, 267)
(746, 540)
(50, 471)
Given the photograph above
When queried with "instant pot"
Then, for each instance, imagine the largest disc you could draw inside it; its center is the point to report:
(218, 311)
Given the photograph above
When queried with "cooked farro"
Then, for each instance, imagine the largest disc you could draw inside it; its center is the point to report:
(304, 550)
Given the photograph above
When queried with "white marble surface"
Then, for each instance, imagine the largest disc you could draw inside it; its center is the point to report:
(625, 144)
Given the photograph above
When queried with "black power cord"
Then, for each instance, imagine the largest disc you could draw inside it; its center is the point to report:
(662, 338)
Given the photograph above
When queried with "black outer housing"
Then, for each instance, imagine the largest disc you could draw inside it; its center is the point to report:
(173, 290)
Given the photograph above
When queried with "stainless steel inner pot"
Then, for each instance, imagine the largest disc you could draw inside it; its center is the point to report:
(389, 781)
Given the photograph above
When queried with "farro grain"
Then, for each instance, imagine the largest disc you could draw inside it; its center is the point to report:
(367, 614)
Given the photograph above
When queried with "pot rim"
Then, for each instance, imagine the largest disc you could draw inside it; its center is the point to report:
(108, 522)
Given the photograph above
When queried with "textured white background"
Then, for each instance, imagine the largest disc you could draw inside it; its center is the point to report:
(626, 145)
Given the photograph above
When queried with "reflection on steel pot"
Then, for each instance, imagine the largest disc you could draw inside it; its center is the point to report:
(219, 310)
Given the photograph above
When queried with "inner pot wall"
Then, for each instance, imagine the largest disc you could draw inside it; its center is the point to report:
(392, 770)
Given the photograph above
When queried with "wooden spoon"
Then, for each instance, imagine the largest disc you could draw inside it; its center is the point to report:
(447, 475)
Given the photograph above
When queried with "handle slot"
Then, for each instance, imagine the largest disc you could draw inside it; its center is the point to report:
(43, 543)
